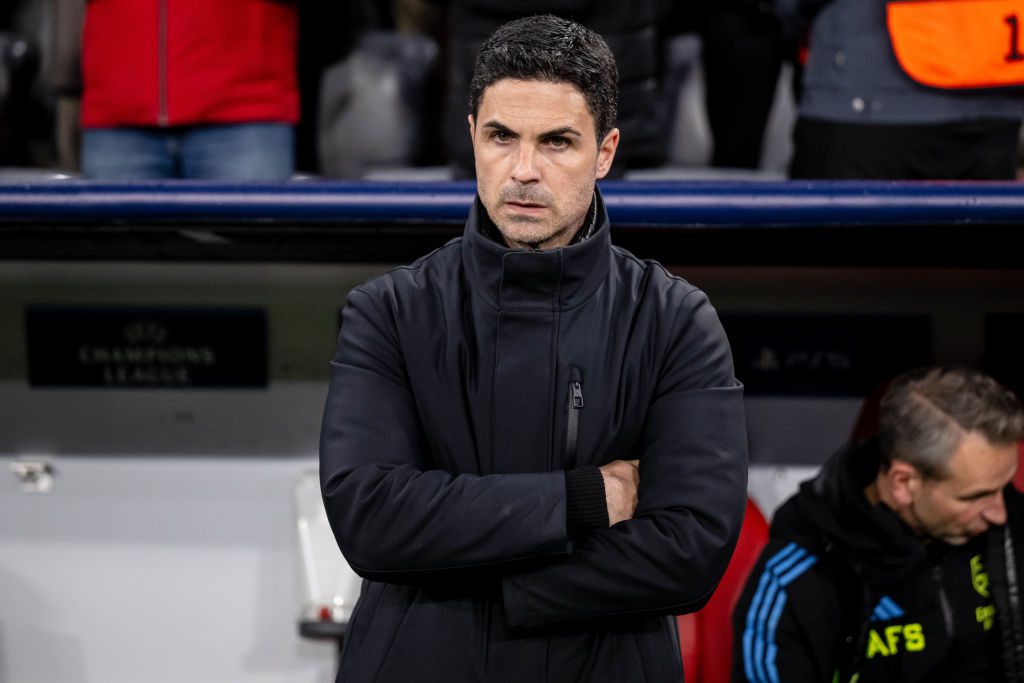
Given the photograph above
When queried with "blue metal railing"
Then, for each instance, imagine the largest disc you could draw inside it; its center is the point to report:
(630, 203)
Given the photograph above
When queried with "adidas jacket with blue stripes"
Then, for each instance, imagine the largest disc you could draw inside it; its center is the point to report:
(845, 592)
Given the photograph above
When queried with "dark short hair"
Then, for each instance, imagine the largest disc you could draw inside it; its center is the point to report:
(548, 48)
(925, 414)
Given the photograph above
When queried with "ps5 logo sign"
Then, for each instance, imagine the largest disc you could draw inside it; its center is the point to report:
(771, 360)
(816, 354)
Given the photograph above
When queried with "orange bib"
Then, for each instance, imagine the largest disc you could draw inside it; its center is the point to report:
(959, 44)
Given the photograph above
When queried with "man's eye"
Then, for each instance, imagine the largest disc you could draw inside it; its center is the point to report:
(558, 142)
(501, 136)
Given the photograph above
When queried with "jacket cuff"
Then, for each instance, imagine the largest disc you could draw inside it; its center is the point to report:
(585, 505)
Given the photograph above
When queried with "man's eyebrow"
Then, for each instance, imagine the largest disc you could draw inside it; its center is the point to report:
(555, 132)
(972, 495)
(564, 130)
(497, 125)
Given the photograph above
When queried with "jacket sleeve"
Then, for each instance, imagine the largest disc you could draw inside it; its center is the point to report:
(393, 516)
(693, 474)
(785, 622)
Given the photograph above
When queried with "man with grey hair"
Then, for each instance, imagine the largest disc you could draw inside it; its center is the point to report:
(901, 560)
(533, 447)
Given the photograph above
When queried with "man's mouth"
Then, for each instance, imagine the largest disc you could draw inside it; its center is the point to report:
(526, 208)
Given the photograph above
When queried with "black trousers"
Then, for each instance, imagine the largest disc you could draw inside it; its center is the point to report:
(744, 50)
(972, 150)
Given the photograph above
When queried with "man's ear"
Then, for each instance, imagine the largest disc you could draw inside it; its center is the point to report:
(606, 152)
(903, 481)
(472, 127)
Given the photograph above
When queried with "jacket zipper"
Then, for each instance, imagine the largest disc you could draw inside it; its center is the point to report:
(1016, 656)
(575, 406)
(162, 114)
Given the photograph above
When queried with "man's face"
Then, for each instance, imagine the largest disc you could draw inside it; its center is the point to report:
(537, 157)
(969, 500)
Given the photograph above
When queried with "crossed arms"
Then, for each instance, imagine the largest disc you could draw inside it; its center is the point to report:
(672, 521)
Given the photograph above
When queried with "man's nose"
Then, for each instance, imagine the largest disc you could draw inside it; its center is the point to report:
(525, 169)
(995, 512)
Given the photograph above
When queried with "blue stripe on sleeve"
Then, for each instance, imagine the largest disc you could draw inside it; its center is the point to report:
(764, 587)
(759, 648)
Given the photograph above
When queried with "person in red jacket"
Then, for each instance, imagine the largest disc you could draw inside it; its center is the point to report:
(189, 89)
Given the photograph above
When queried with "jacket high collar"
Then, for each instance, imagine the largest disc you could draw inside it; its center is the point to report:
(524, 279)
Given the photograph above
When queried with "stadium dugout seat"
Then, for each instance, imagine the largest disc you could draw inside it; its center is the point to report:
(705, 636)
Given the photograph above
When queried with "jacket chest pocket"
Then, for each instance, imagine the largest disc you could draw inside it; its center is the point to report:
(598, 423)
(574, 412)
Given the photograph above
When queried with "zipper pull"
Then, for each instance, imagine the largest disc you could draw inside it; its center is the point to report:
(572, 427)
(577, 395)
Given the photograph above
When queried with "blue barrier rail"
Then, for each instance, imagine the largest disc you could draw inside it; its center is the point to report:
(691, 222)
(630, 203)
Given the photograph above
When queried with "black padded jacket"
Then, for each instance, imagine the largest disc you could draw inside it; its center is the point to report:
(464, 388)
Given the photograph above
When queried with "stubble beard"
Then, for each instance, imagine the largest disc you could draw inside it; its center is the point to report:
(546, 231)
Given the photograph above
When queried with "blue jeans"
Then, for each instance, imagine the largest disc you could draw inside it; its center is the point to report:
(246, 151)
